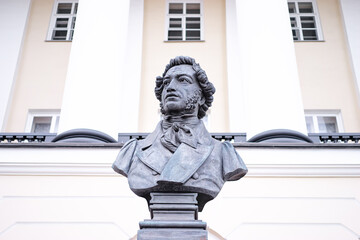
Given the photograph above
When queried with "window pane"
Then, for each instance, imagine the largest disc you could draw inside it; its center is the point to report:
(64, 8)
(42, 128)
(61, 22)
(193, 23)
(327, 124)
(71, 35)
(174, 35)
(175, 22)
(76, 8)
(308, 22)
(293, 22)
(73, 22)
(56, 127)
(192, 35)
(310, 35)
(176, 8)
(59, 35)
(41, 125)
(310, 124)
(193, 8)
(291, 7)
(305, 7)
(296, 34)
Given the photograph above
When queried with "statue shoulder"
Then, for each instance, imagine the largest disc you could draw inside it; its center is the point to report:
(123, 160)
(227, 145)
(128, 149)
(233, 166)
(130, 143)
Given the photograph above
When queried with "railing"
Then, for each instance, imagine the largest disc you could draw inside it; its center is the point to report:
(335, 137)
(122, 137)
(345, 138)
(231, 137)
(26, 137)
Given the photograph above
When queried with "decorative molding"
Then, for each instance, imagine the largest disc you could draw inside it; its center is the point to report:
(255, 170)
(304, 170)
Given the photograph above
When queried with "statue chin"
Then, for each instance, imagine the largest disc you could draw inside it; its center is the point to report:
(188, 109)
(174, 108)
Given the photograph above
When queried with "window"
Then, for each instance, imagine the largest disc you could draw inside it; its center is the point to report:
(63, 20)
(323, 121)
(43, 121)
(304, 20)
(184, 20)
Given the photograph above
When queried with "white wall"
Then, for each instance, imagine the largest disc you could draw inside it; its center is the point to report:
(266, 77)
(72, 192)
(13, 19)
(104, 68)
(350, 12)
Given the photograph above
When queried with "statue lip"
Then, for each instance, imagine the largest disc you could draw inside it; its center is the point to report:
(171, 95)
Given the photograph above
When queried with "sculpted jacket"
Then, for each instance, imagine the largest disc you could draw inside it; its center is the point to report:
(203, 168)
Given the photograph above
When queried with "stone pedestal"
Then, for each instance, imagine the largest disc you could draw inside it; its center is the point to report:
(173, 216)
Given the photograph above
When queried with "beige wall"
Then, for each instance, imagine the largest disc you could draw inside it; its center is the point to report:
(103, 207)
(210, 54)
(42, 69)
(325, 73)
(289, 192)
(324, 69)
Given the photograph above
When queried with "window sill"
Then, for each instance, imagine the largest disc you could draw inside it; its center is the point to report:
(309, 40)
(183, 41)
(58, 40)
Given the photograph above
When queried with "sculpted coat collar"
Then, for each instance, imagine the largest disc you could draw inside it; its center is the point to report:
(180, 166)
(199, 130)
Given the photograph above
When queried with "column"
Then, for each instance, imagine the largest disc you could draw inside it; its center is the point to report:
(13, 19)
(350, 12)
(103, 80)
(264, 78)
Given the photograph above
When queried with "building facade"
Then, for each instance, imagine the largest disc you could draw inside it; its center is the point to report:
(289, 64)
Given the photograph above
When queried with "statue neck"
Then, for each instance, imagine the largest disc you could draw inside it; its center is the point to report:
(187, 119)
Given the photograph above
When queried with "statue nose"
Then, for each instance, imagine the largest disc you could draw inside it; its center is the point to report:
(172, 86)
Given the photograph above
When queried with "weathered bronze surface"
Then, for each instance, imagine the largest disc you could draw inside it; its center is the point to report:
(173, 216)
(180, 155)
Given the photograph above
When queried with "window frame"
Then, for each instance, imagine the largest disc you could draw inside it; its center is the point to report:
(55, 15)
(55, 119)
(183, 22)
(297, 15)
(325, 113)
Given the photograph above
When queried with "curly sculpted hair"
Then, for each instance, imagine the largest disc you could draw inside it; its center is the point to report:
(207, 87)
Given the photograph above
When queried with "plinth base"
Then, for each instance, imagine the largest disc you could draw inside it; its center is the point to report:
(173, 216)
(174, 234)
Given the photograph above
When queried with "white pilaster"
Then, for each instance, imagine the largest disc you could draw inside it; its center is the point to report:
(235, 84)
(266, 73)
(130, 94)
(13, 19)
(103, 81)
(350, 12)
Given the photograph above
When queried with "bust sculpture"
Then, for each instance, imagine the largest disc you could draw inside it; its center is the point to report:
(180, 155)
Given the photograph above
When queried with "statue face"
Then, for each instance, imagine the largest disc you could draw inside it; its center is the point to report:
(180, 86)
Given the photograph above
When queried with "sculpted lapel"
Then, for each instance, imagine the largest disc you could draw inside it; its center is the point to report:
(152, 158)
(184, 163)
(177, 167)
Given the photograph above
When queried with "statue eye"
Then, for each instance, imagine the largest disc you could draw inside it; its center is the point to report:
(184, 79)
(166, 81)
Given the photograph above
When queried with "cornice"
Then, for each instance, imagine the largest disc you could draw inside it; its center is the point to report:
(255, 170)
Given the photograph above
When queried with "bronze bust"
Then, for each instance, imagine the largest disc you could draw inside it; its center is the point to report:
(180, 155)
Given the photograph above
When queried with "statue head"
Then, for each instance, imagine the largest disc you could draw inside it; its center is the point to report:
(184, 88)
